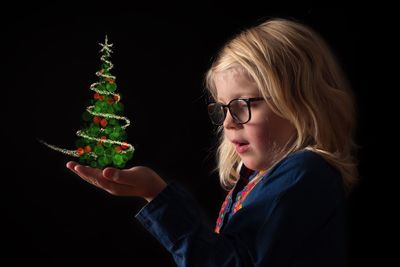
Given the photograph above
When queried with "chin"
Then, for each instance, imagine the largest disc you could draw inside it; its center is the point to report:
(253, 165)
(256, 163)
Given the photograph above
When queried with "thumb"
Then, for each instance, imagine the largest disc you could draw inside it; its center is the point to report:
(111, 173)
(117, 175)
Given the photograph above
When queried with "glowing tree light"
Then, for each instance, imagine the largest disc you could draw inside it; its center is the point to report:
(102, 139)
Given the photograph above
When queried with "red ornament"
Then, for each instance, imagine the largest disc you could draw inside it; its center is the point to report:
(118, 149)
(101, 97)
(102, 139)
(88, 149)
(116, 97)
(96, 119)
(124, 145)
(109, 80)
(96, 96)
(110, 100)
(103, 122)
(80, 151)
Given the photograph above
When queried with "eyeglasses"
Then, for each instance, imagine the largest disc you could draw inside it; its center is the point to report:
(239, 109)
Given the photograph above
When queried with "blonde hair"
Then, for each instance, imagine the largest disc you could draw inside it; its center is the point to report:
(295, 69)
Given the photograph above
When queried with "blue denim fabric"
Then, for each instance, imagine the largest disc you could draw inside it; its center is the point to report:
(295, 216)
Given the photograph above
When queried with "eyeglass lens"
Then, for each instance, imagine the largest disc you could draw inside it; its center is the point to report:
(238, 108)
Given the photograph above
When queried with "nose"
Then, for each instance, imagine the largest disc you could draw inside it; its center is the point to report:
(229, 122)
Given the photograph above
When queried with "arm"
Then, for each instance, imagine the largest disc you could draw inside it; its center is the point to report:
(171, 215)
(271, 231)
(175, 220)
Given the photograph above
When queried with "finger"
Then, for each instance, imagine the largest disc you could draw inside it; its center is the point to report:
(91, 175)
(88, 172)
(126, 177)
(94, 177)
(71, 164)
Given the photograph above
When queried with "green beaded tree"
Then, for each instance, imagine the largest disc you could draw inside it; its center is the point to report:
(102, 138)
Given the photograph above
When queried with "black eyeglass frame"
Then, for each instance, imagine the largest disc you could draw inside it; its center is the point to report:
(227, 107)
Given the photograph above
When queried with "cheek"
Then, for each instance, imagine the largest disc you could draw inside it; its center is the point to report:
(260, 136)
(267, 135)
(266, 131)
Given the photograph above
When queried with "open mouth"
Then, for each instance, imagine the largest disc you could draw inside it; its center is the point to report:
(241, 147)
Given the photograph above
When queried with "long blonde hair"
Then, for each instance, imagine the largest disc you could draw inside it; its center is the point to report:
(295, 69)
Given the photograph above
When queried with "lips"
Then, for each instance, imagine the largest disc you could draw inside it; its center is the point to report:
(237, 142)
(241, 146)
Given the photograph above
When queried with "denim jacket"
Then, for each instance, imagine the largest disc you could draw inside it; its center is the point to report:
(294, 216)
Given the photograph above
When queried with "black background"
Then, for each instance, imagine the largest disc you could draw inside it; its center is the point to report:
(51, 53)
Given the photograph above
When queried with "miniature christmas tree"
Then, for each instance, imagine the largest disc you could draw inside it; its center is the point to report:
(102, 139)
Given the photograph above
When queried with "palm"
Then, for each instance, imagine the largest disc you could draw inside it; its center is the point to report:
(137, 181)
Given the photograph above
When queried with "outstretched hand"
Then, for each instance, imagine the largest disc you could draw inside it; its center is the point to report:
(137, 181)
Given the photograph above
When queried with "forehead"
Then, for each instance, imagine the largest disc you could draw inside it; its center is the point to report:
(234, 83)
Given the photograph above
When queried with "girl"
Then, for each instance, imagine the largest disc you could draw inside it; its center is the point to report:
(286, 121)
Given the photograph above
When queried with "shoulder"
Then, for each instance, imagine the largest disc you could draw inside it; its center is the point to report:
(303, 169)
(304, 159)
